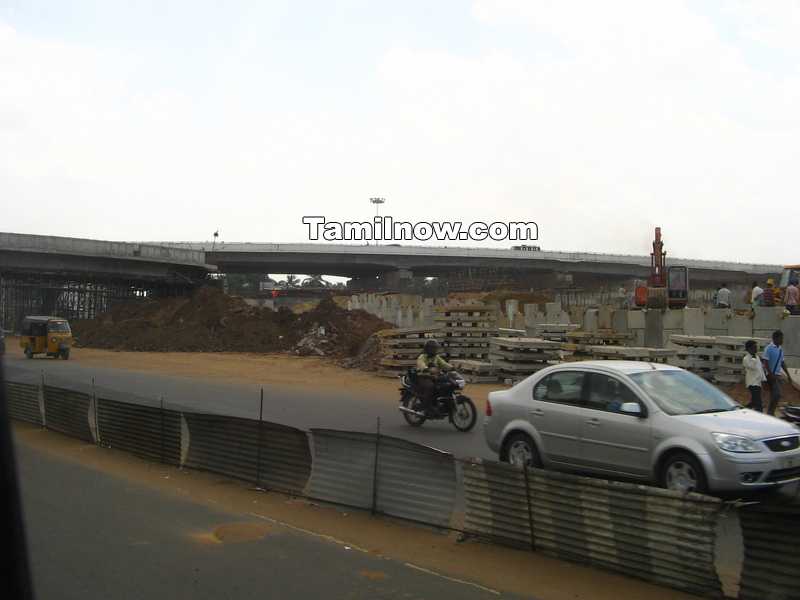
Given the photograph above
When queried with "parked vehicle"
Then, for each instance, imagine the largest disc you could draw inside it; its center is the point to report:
(45, 335)
(450, 403)
(652, 422)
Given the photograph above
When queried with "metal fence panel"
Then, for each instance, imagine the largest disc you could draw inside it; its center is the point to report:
(222, 444)
(641, 531)
(230, 446)
(415, 482)
(145, 431)
(285, 458)
(23, 402)
(68, 412)
(771, 559)
(496, 503)
(343, 469)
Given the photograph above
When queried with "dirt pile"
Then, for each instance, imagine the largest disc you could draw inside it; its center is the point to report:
(211, 321)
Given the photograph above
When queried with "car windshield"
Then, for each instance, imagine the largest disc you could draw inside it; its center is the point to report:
(683, 393)
(58, 327)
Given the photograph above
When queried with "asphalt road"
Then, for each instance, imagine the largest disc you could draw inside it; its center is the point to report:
(92, 535)
(336, 409)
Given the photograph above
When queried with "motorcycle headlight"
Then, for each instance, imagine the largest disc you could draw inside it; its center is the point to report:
(460, 383)
(734, 443)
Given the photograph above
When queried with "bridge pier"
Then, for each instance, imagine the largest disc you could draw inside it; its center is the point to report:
(400, 279)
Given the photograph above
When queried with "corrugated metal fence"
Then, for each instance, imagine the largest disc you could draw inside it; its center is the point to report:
(384, 474)
(147, 431)
(267, 454)
(68, 412)
(646, 532)
(771, 552)
(641, 531)
(23, 402)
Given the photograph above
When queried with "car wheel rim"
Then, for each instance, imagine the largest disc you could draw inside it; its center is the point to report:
(681, 477)
(520, 454)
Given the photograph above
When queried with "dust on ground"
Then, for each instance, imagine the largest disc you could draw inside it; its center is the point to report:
(509, 570)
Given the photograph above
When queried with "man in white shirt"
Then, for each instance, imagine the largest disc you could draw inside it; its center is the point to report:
(753, 375)
(723, 297)
(755, 294)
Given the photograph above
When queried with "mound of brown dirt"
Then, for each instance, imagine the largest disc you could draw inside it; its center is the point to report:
(211, 321)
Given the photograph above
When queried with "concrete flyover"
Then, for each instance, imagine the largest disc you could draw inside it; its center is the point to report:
(79, 278)
(79, 258)
(427, 261)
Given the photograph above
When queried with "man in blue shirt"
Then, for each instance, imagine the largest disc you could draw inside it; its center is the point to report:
(773, 356)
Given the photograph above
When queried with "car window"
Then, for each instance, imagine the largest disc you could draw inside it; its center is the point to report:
(608, 394)
(58, 327)
(564, 387)
(683, 393)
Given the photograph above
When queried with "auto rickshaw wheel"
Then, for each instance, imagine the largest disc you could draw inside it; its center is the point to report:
(28, 352)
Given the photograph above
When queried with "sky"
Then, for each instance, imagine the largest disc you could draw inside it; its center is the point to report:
(168, 120)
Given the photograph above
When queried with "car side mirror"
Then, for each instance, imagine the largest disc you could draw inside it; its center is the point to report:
(631, 408)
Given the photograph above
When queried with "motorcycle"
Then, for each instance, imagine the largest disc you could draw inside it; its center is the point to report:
(449, 403)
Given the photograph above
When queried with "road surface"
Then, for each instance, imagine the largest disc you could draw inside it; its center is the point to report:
(303, 408)
(93, 535)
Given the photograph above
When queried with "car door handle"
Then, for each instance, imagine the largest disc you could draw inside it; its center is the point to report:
(537, 412)
(593, 422)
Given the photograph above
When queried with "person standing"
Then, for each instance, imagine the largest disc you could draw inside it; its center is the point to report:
(773, 355)
(768, 295)
(755, 295)
(723, 297)
(792, 297)
(754, 375)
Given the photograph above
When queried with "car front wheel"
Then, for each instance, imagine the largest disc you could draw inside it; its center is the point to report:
(683, 473)
(520, 450)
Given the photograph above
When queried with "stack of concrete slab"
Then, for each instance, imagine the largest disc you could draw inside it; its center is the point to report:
(731, 351)
(400, 347)
(580, 341)
(466, 329)
(516, 358)
(554, 332)
(476, 371)
(661, 355)
(696, 353)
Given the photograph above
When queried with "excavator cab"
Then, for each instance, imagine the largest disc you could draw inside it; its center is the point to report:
(677, 286)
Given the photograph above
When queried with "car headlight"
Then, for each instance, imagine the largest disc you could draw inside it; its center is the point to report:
(734, 443)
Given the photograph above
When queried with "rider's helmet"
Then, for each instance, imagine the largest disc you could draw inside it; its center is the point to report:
(432, 347)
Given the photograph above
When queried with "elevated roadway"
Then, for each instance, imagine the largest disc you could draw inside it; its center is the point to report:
(429, 261)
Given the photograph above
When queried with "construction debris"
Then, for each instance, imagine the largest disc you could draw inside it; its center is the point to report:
(632, 353)
(399, 348)
(466, 330)
(696, 353)
(579, 342)
(516, 358)
(554, 332)
(476, 371)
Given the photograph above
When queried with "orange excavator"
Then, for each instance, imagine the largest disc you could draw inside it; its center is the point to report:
(666, 287)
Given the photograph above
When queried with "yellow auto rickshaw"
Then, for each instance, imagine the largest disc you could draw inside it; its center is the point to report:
(46, 335)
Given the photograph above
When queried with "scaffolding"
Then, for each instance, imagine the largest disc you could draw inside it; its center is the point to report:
(71, 298)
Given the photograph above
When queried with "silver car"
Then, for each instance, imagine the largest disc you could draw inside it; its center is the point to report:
(652, 422)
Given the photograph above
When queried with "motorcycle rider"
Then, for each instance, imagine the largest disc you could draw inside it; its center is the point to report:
(429, 366)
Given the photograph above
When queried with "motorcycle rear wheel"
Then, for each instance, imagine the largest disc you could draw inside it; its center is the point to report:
(414, 403)
(464, 415)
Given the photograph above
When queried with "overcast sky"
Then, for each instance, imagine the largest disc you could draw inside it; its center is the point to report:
(597, 120)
